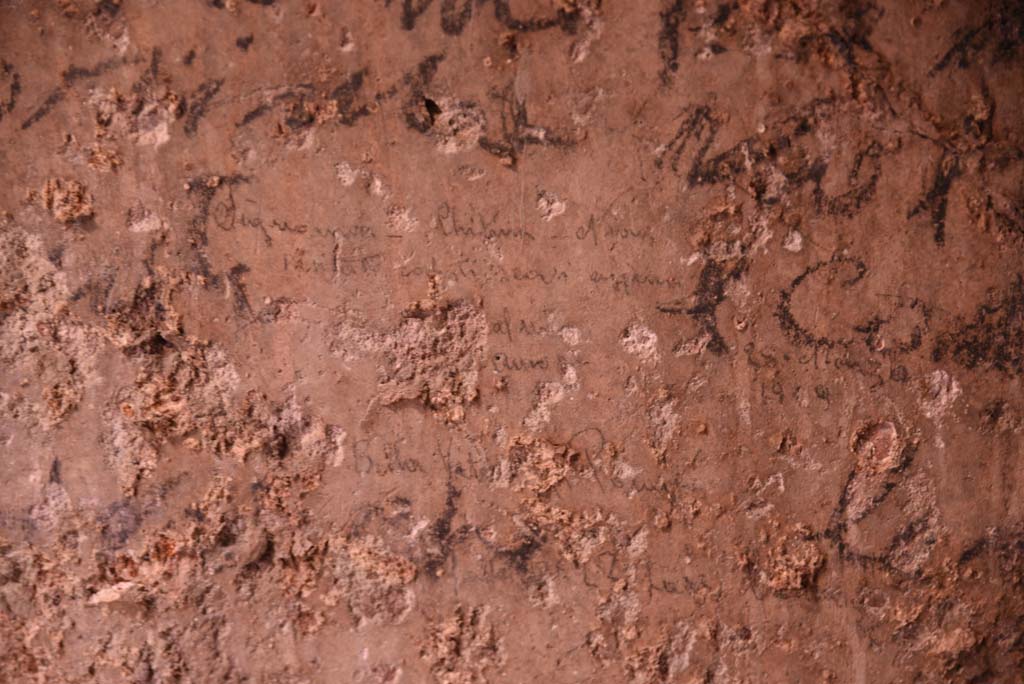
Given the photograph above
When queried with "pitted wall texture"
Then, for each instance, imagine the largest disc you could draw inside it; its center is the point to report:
(484, 341)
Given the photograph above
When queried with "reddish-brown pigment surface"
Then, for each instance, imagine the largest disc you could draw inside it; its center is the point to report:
(487, 341)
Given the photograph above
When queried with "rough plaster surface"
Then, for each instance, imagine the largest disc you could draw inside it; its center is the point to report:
(469, 341)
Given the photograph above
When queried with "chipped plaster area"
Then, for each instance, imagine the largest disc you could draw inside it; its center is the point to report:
(497, 341)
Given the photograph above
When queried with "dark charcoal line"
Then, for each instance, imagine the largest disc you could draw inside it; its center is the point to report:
(49, 103)
(936, 201)
(672, 18)
(200, 99)
(793, 330)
